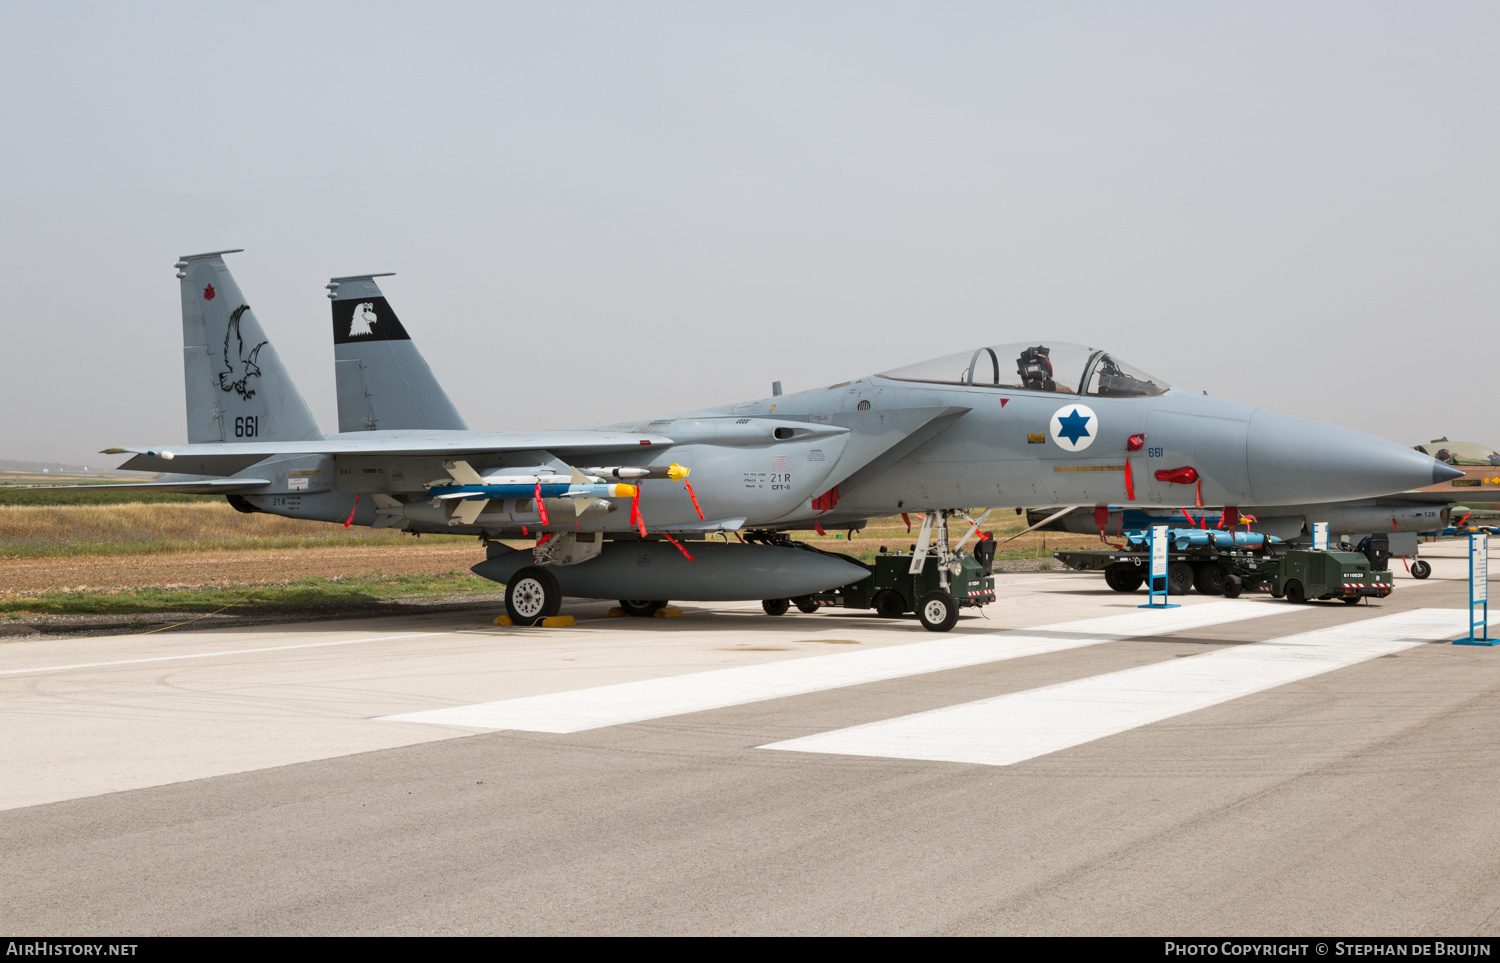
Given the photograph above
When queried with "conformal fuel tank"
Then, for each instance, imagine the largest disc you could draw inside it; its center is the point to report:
(657, 570)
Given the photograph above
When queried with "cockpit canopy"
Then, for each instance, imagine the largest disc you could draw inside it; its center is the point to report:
(1059, 367)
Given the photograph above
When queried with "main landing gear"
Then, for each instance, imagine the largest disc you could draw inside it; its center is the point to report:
(532, 595)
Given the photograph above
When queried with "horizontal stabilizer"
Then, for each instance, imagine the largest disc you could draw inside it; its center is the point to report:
(226, 459)
(208, 486)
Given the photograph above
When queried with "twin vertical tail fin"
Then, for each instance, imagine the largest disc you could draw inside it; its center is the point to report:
(237, 387)
(383, 381)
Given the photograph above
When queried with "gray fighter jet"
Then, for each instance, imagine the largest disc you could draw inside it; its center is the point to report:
(1027, 425)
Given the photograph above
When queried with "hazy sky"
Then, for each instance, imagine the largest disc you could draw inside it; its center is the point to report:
(600, 211)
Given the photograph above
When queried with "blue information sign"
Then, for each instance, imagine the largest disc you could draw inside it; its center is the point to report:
(1479, 591)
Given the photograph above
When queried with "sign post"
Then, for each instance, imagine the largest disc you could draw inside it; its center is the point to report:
(1157, 580)
(1479, 591)
(1320, 536)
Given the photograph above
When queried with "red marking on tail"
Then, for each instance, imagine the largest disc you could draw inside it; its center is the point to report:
(208, 293)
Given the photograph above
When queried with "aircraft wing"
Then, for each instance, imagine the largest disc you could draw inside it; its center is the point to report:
(226, 459)
(204, 486)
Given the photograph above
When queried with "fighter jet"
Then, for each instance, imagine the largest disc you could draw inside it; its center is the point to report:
(625, 510)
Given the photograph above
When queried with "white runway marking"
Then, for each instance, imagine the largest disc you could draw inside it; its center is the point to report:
(614, 705)
(211, 655)
(1023, 725)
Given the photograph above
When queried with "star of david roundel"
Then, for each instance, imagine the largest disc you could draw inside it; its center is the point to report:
(1074, 427)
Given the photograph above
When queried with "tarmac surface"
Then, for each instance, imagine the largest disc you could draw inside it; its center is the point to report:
(1073, 764)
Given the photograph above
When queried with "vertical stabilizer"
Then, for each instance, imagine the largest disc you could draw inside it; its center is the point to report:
(383, 381)
(237, 388)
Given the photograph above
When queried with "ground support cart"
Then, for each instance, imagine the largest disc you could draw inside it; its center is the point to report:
(892, 590)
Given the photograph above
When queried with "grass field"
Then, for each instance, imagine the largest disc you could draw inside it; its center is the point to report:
(72, 556)
(73, 524)
(308, 593)
(154, 528)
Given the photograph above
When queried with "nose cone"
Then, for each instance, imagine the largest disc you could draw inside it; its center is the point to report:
(1442, 472)
(1295, 461)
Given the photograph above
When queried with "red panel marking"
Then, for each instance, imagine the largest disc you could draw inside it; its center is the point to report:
(1177, 476)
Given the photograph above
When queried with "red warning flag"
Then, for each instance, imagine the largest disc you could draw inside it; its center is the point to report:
(679, 546)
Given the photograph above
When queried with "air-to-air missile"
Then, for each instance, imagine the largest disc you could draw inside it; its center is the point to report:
(1042, 426)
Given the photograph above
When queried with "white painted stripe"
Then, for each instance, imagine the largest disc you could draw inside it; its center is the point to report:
(215, 655)
(614, 705)
(1023, 725)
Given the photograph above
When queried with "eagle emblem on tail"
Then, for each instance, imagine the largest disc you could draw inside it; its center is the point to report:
(238, 369)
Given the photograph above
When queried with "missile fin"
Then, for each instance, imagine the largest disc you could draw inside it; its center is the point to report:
(467, 511)
(579, 478)
(462, 473)
(581, 505)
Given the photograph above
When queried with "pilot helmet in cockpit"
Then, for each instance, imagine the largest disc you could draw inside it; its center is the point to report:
(1035, 368)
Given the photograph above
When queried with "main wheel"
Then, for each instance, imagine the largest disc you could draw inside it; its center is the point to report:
(1294, 592)
(1179, 578)
(641, 608)
(532, 595)
(1420, 569)
(776, 606)
(889, 604)
(1123, 580)
(937, 611)
(1233, 586)
(1209, 577)
(806, 605)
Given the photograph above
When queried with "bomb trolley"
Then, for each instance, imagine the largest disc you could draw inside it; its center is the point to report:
(1212, 571)
(944, 581)
(1294, 574)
